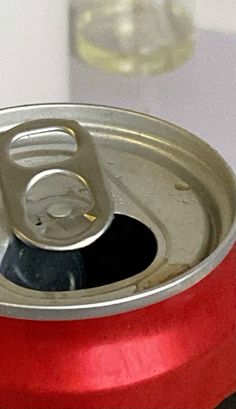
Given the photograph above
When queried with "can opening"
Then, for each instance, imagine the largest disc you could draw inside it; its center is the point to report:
(127, 248)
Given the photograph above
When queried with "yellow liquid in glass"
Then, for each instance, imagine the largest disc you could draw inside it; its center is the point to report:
(134, 36)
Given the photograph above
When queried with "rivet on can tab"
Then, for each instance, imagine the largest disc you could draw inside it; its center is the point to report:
(73, 206)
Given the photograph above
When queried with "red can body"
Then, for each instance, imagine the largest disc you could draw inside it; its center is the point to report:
(177, 354)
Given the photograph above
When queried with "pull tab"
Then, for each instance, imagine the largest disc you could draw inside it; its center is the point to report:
(62, 207)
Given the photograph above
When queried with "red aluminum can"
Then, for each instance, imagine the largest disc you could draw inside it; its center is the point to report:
(154, 327)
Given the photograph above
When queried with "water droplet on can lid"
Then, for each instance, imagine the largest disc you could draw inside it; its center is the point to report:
(182, 186)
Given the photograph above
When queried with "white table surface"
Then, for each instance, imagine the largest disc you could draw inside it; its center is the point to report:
(38, 66)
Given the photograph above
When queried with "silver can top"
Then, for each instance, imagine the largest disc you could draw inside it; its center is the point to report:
(158, 174)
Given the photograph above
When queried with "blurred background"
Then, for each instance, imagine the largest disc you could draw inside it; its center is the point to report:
(171, 58)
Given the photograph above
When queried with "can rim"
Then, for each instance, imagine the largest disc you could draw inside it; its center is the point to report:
(147, 297)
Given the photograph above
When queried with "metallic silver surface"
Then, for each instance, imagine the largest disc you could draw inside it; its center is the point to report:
(159, 174)
(53, 220)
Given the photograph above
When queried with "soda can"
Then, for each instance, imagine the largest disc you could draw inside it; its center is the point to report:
(118, 262)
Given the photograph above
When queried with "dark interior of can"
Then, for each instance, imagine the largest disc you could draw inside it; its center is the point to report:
(127, 248)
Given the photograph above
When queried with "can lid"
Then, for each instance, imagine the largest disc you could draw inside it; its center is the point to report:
(160, 175)
(55, 219)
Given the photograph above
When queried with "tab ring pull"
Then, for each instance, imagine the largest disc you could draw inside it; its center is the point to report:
(63, 227)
